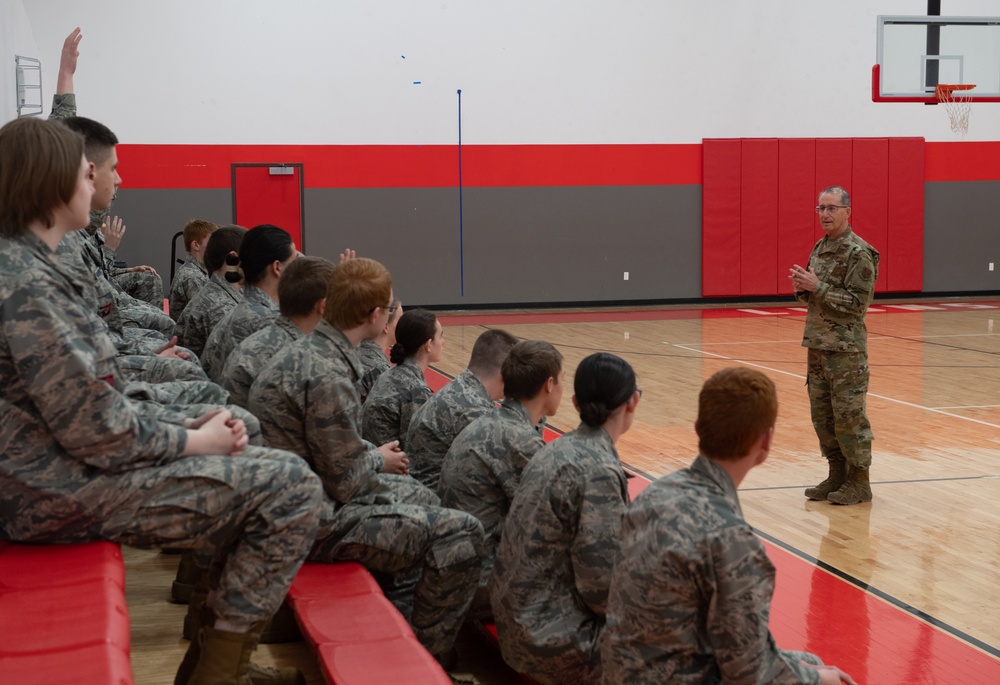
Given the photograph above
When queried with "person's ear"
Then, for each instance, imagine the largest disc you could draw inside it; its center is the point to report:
(320, 306)
(91, 171)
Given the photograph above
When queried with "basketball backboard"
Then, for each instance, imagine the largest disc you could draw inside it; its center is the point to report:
(917, 53)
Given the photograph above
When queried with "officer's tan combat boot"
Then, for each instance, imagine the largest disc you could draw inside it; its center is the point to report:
(855, 489)
(838, 474)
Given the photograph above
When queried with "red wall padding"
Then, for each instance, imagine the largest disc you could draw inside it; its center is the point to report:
(757, 208)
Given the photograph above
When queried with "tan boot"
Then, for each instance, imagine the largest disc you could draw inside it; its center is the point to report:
(282, 627)
(224, 657)
(855, 490)
(838, 474)
(258, 675)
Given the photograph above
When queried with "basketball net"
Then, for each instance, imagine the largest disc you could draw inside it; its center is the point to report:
(958, 107)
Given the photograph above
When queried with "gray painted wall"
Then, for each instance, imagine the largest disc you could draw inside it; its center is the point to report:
(961, 236)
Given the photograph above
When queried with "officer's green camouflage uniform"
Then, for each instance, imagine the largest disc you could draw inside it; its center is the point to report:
(481, 472)
(206, 309)
(436, 424)
(253, 354)
(837, 338)
(253, 313)
(307, 404)
(80, 461)
(691, 592)
(553, 567)
(374, 362)
(392, 402)
(188, 280)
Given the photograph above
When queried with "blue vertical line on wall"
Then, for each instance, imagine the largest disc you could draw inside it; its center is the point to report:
(461, 244)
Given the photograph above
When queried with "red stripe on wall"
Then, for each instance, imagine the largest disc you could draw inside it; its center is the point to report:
(979, 161)
(759, 217)
(796, 199)
(906, 215)
(720, 219)
(869, 200)
(417, 166)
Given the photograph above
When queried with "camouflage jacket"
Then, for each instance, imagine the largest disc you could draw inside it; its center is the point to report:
(483, 466)
(253, 313)
(560, 541)
(691, 592)
(188, 280)
(204, 311)
(70, 441)
(436, 424)
(306, 402)
(395, 397)
(847, 268)
(374, 362)
(253, 354)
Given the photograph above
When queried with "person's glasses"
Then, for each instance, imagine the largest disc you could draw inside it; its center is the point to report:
(829, 208)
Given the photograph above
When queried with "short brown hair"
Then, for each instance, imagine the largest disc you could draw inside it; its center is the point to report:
(302, 284)
(490, 350)
(355, 289)
(197, 229)
(529, 364)
(735, 408)
(39, 169)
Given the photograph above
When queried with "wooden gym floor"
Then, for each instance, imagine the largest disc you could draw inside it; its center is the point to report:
(904, 589)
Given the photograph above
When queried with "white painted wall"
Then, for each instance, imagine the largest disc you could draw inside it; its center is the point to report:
(531, 71)
(16, 38)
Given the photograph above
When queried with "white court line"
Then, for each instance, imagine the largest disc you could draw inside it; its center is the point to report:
(968, 305)
(761, 312)
(943, 335)
(871, 394)
(745, 342)
(971, 406)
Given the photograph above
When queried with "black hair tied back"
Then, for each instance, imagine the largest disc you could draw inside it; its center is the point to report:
(233, 272)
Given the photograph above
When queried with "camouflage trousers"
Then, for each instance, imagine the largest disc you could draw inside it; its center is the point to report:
(142, 285)
(141, 314)
(433, 550)
(838, 387)
(152, 369)
(257, 512)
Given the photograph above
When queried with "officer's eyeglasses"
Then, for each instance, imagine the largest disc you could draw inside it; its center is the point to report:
(829, 208)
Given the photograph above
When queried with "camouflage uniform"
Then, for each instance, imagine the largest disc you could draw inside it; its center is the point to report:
(837, 338)
(307, 404)
(188, 280)
(80, 461)
(553, 567)
(202, 313)
(374, 362)
(63, 106)
(253, 354)
(253, 313)
(482, 470)
(436, 424)
(395, 397)
(691, 592)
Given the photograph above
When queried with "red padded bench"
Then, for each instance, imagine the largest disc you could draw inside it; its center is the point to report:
(359, 636)
(63, 615)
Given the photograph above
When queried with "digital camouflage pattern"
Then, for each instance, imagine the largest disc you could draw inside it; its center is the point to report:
(426, 556)
(253, 313)
(438, 422)
(252, 355)
(206, 309)
(81, 461)
(374, 362)
(691, 592)
(482, 470)
(188, 280)
(553, 567)
(837, 338)
(392, 402)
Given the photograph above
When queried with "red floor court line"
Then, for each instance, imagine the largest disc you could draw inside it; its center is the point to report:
(729, 312)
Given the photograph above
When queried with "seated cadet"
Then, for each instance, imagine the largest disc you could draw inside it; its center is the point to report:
(192, 274)
(79, 461)
(400, 391)
(371, 352)
(265, 252)
(427, 557)
(302, 300)
(219, 296)
(471, 394)
(691, 592)
(483, 466)
(559, 543)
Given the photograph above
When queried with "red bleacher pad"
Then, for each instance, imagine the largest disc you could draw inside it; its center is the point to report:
(96, 665)
(35, 566)
(64, 617)
(343, 579)
(350, 619)
(381, 662)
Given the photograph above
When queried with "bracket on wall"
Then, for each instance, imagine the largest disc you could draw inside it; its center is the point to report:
(28, 77)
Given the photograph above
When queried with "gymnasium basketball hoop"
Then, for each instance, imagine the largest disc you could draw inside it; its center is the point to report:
(958, 106)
